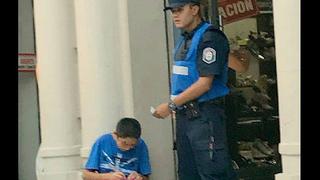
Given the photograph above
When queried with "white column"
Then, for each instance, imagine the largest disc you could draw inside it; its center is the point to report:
(287, 36)
(104, 67)
(58, 156)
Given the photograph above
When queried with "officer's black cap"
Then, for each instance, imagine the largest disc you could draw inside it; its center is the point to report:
(179, 3)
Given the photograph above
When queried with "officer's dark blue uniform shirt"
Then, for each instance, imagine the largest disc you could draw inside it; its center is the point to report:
(209, 49)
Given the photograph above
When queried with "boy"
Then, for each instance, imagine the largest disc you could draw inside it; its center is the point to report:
(121, 155)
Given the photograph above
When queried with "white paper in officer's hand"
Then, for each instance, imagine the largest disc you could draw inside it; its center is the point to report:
(152, 110)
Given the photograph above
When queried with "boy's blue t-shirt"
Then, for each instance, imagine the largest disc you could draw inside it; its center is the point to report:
(106, 157)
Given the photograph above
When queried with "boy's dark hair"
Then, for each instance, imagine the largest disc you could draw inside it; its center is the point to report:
(128, 127)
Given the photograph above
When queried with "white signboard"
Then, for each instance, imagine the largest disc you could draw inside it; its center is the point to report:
(26, 62)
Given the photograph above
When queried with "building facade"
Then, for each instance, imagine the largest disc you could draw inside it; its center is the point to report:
(98, 61)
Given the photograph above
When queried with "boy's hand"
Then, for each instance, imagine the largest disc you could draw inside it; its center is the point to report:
(135, 176)
(116, 176)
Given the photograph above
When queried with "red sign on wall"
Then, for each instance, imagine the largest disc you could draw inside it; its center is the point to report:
(26, 62)
(235, 10)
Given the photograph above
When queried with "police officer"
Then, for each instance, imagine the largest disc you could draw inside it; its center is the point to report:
(199, 77)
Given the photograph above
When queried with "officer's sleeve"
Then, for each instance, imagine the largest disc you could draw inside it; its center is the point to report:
(212, 53)
(94, 157)
(144, 163)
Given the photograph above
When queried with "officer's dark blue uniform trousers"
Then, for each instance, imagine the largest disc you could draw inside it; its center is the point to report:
(193, 138)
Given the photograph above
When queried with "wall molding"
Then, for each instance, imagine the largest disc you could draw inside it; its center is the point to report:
(60, 151)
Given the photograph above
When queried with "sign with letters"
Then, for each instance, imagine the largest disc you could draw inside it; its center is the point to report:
(235, 10)
(26, 62)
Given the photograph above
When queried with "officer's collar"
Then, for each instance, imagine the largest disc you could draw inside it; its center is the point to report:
(189, 35)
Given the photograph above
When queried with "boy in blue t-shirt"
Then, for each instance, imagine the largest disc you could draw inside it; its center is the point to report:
(121, 155)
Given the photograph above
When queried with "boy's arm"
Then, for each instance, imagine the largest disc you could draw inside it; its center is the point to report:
(89, 175)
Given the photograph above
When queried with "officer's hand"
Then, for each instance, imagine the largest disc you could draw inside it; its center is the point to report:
(162, 111)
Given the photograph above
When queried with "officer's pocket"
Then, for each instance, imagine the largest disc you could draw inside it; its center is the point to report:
(214, 162)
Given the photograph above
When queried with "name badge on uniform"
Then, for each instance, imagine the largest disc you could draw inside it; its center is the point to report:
(209, 55)
(181, 70)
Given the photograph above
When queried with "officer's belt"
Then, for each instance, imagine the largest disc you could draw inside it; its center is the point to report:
(216, 101)
(219, 101)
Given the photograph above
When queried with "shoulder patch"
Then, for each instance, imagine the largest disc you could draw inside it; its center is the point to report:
(209, 55)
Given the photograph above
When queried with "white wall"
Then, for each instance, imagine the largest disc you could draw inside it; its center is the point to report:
(150, 81)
